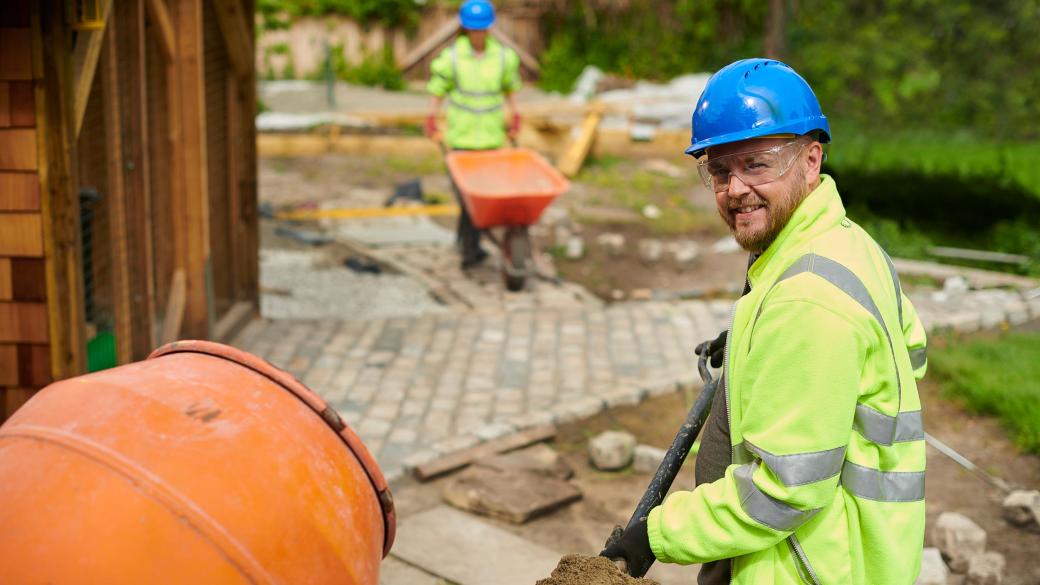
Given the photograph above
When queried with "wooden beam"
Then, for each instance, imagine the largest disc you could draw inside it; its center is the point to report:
(116, 196)
(574, 157)
(56, 124)
(429, 45)
(171, 327)
(526, 58)
(238, 36)
(160, 17)
(448, 463)
(191, 164)
(136, 170)
(85, 60)
(246, 175)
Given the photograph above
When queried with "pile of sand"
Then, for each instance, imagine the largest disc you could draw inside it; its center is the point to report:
(582, 570)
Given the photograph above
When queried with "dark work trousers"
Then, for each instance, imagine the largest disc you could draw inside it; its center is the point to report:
(713, 459)
(467, 236)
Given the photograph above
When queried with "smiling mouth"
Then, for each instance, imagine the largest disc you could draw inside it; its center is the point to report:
(746, 208)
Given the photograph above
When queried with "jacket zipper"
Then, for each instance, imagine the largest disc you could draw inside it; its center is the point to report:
(804, 568)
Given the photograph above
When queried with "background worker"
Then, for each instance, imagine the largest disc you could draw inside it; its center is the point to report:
(477, 76)
(818, 467)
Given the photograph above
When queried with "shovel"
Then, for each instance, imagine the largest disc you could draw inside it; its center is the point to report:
(673, 458)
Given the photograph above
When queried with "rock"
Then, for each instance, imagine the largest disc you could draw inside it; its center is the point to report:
(933, 569)
(555, 215)
(561, 234)
(539, 459)
(684, 251)
(585, 85)
(648, 458)
(663, 167)
(614, 244)
(986, 569)
(575, 248)
(959, 539)
(726, 245)
(651, 211)
(650, 250)
(617, 294)
(1022, 508)
(612, 450)
(641, 294)
(955, 285)
(513, 496)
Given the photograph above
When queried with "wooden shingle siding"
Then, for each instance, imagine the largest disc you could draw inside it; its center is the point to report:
(22, 322)
(6, 283)
(19, 192)
(15, 53)
(18, 149)
(8, 364)
(21, 234)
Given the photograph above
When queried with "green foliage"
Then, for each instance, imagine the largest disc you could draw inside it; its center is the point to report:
(278, 14)
(373, 70)
(940, 65)
(998, 377)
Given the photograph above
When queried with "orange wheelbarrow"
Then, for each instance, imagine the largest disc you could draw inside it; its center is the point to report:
(506, 191)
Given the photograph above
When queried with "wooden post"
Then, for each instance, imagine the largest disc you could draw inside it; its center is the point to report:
(116, 194)
(249, 258)
(55, 123)
(135, 170)
(192, 195)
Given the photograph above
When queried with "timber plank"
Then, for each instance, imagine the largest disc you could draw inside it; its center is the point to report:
(23, 107)
(8, 364)
(28, 279)
(5, 104)
(15, 53)
(23, 322)
(6, 288)
(21, 234)
(19, 192)
(14, 398)
(463, 458)
(18, 149)
(34, 365)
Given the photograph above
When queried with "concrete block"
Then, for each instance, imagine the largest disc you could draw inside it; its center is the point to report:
(513, 496)
(986, 569)
(612, 450)
(959, 539)
(651, 250)
(933, 569)
(1022, 508)
(648, 458)
(539, 459)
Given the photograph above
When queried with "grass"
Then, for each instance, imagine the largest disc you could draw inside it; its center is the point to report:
(618, 184)
(994, 375)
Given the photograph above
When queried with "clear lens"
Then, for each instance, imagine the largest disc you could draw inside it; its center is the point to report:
(752, 168)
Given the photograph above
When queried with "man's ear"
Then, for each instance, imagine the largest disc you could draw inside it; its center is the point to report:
(813, 162)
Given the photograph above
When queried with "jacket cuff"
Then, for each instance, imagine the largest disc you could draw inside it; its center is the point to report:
(653, 532)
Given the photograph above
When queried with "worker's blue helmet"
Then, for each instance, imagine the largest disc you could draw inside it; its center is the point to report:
(753, 98)
(476, 14)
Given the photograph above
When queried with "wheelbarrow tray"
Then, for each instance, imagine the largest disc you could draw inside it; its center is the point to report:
(507, 187)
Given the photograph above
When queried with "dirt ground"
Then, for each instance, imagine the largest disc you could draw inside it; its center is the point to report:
(610, 497)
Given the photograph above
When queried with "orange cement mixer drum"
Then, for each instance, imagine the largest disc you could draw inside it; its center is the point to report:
(202, 464)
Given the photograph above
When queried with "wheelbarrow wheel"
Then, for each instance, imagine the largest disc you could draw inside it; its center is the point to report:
(517, 250)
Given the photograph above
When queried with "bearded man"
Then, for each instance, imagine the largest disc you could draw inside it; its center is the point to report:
(811, 468)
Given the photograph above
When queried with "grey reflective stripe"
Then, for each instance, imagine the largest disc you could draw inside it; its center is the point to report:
(918, 357)
(474, 109)
(883, 486)
(850, 284)
(899, 289)
(886, 430)
(478, 93)
(801, 468)
(765, 508)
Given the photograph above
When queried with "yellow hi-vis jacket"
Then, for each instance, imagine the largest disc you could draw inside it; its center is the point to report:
(827, 480)
(475, 87)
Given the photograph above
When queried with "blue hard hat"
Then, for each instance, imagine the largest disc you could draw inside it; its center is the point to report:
(753, 98)
(476, 14)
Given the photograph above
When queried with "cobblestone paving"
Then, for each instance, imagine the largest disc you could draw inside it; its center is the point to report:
(417, 388)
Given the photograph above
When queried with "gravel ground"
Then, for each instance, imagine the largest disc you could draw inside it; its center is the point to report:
(300, 284)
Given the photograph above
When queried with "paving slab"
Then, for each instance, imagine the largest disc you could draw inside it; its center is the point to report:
(539, 459)
(468, 551)
(512, 495)
(393, 571)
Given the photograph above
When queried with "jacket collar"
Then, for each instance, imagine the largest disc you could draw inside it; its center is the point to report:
(820, 211)
(465, 48)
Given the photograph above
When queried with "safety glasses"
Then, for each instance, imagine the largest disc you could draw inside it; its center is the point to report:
(752, 168)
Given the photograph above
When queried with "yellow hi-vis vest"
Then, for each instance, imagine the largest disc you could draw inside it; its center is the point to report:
(827, 480)
(475, 87)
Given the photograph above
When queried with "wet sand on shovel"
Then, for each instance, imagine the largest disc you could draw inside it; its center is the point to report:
(582, 570)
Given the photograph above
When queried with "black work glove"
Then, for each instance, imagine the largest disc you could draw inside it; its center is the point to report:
(716, 349)
(633, 547)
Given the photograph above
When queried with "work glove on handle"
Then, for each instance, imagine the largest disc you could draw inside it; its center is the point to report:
(514, 127)
(715, 348)
(632, 546)
(430, 127)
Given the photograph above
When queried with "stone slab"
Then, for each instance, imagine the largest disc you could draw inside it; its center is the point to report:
(539, 459)
(513, 496)
(469, 551)
(396, 572)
